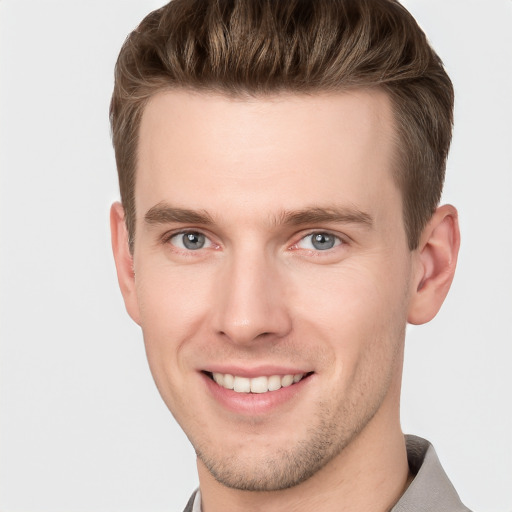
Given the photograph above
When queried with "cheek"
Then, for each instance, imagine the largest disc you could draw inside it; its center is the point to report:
(356, 295)
(172, 300)
(359, 310)
(173, 305)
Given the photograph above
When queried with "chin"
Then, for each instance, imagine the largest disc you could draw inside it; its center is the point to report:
(274, 469)
(280, 471)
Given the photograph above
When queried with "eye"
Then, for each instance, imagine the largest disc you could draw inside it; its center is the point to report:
(190, 241)
(319, 241)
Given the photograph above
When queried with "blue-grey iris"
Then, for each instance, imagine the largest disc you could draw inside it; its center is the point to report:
(323, 241)
(193, 241)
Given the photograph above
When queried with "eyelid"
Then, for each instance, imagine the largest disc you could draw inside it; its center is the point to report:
(340, 239)
(169, 235)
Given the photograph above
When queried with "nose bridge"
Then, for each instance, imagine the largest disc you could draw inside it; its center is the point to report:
(250, 303)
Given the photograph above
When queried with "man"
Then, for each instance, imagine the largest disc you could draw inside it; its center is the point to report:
(280, 166)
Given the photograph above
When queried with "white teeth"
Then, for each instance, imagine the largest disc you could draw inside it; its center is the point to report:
(259, 385)
(229, 381)
(242, 385)
(287, 381)
(256, 384)
(274, 383)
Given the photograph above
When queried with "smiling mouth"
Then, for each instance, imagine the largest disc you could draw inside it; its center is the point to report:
(260, 385)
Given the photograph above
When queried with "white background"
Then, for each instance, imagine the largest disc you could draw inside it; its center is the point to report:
(82, 427)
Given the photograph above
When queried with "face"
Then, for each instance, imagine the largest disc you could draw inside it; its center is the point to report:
(271, 275)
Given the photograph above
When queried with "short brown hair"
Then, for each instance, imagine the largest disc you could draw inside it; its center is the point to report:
(258, 47)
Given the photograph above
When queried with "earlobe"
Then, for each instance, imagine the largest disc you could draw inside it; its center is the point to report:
(435, 265)
(124, 260)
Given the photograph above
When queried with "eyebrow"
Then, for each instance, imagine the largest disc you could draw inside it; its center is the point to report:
(163, 213)
(315, 215)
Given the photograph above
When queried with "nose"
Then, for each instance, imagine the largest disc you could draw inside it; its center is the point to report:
(251, 300)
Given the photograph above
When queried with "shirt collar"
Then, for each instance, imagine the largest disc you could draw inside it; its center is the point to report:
(431, 490)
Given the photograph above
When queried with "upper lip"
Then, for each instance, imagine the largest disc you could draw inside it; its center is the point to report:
(257, 371)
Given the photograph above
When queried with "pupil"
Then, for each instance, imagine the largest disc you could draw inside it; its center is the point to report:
(323, 241)
(193, 241)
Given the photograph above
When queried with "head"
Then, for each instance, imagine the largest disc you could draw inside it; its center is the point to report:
(280, 166)
(298, 47)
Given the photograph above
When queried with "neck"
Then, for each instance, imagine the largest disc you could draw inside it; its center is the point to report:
(370, 474)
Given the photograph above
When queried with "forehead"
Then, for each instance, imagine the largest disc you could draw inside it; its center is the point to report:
(265, 153)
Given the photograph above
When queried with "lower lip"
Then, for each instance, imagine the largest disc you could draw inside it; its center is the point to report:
(254, 403)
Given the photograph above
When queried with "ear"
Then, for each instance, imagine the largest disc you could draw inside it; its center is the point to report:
(436, 259)
(124, 260)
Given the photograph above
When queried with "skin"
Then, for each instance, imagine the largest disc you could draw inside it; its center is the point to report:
(259, 296)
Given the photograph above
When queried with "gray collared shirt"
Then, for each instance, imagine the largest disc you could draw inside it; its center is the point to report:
(430, 491)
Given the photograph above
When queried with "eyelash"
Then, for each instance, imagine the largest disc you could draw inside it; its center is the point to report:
(338, 240)
(166, 239)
